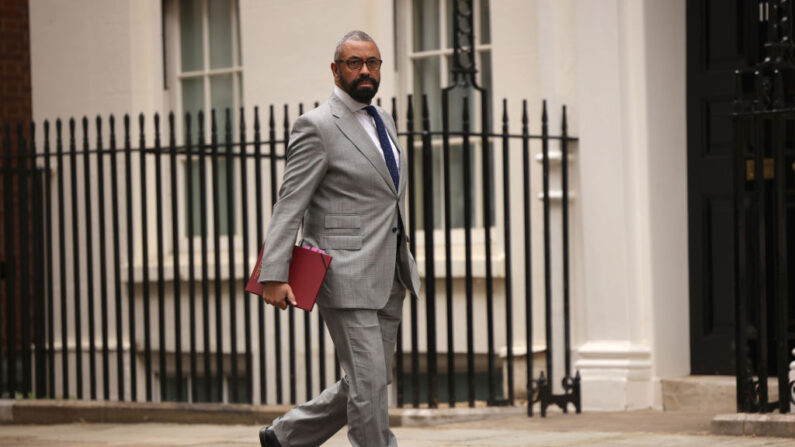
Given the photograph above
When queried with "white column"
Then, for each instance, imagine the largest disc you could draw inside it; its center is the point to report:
(614, 357)
(633, 321)
(667, 180)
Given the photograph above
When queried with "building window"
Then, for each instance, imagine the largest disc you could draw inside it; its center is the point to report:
(209, 76)
(430, 52)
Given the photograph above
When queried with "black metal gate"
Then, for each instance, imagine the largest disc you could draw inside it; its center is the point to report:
(90, 303)
(764, 173)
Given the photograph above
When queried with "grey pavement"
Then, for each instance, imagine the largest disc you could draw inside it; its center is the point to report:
(625, 429)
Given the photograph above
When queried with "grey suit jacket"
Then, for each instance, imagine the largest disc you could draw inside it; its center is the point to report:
(337, 180)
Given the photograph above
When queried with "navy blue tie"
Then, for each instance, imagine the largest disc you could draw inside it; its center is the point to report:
(386, 146)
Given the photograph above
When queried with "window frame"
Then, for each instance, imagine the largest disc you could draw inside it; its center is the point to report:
(406, 60)
(175, 76)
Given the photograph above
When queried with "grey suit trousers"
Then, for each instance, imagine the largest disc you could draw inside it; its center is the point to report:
(365, 341)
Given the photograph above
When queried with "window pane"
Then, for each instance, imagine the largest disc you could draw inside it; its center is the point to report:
(485, 82)
(190, 25)
(221, 33)
(193, 102)
(426, 81)
(222, 99)
(426, 25)
(485, 22)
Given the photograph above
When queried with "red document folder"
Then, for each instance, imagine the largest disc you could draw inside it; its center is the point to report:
(307, 270)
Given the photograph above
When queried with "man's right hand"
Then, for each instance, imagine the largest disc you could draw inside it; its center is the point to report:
(278, 294)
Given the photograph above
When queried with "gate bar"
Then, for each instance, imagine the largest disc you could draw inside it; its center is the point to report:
(177, 287)
(277, 327)
(263, 382)
(205, 257)
(291, 309)
(161, 305)
(39, 262)
(468, 252)
(114, 187)
(528, 258)
(190, 224)
(49, 267)
(76, 260)
(145, 260)
(24, 170)
(92, 362)
(487, 221)
(103, 271)
(230, 225)
(430, 274)
(244, 228)
(216, 197)
(506, 204)
(62, 259)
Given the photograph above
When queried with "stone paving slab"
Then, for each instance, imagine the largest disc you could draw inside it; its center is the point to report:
(159, 435)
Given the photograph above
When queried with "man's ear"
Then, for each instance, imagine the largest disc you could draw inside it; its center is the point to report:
(335, 71)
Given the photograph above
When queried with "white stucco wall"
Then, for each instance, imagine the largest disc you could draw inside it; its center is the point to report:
(288, 46)
(617, 64)
(90, 58)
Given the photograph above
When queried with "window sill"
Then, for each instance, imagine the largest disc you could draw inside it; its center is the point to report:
(458, 262)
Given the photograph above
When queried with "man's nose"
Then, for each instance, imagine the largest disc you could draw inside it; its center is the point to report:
(364, 71)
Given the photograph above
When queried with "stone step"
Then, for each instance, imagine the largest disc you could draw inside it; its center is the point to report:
(716, 394)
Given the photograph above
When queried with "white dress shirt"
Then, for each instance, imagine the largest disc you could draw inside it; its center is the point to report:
(367, 122)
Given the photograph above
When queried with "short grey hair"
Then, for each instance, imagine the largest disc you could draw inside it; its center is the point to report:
(351, 35)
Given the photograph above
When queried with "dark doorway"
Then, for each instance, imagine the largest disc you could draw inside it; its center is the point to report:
(722, 36)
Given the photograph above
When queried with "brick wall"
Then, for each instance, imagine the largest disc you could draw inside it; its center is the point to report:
(15, 97)
(15, 106)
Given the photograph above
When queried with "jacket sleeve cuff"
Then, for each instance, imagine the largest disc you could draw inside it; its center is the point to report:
(274, 272)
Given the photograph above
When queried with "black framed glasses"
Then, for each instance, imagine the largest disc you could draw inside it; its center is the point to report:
(354, 63)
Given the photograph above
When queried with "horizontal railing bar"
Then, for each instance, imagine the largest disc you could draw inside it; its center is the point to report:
(152, 151)
(182, 150)
(488, 134)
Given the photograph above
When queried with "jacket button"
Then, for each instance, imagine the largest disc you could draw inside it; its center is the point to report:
(394, 229)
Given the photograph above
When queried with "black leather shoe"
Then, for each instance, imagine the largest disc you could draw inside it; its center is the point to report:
(268, 438)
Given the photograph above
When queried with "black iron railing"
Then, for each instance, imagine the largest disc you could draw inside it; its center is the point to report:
(764, 212)
(83, 251)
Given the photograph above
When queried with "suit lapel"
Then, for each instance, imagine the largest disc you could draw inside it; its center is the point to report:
(350, 127)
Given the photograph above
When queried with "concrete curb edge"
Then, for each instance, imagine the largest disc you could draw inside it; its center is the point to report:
(43, 411)
(748, 424)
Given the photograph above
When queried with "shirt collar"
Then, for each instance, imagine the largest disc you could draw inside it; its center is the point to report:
(352, 104)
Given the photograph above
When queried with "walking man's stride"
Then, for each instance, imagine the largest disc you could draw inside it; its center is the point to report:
(344, 185)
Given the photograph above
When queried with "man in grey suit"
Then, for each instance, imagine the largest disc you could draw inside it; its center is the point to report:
(345, 180)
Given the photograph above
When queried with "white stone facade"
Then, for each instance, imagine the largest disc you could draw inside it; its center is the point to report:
(619, 67)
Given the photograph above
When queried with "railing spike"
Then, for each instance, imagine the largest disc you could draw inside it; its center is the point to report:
(544, 116)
